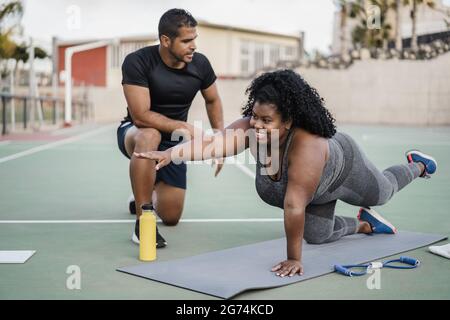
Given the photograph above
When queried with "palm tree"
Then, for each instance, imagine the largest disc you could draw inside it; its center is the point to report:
(11, 9)
(414, 25)
(7, 45)
(414, 3)
(361, 34)
(343, 11)
(398, 26)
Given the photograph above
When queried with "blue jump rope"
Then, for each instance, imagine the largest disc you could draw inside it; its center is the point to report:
(408, 263)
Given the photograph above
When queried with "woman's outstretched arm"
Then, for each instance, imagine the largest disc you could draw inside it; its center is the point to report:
(228, 142)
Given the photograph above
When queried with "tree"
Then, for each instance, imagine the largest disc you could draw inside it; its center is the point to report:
(8, 10)
(413, 14)
(367, 37)
(21, 53)
(398, 26)
(8, 48)
(343, 6)
(7, 45)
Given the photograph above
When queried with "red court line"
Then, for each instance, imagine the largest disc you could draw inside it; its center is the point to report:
(37, 136)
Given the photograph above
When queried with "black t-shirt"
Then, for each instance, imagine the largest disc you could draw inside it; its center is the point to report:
(171, 90)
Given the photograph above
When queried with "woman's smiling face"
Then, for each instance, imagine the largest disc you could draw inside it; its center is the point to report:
(265, 119)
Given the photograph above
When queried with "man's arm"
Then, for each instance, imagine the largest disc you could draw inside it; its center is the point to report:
(213, 106)
(138, 100)
(215, 115)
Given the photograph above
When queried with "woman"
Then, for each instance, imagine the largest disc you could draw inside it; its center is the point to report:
(317, 165)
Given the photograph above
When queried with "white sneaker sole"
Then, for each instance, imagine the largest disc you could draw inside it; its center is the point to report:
(377, 216)
(135, 239)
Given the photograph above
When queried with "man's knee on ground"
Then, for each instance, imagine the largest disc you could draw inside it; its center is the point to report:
(171, 218)
(171, 222)
(147, 138)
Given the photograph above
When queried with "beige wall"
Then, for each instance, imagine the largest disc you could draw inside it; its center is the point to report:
(217, 46)
(232, 94)
(387, 92)
(369, 92)
(223, 47)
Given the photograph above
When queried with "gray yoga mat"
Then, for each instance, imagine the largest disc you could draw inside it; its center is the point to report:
(226, 273)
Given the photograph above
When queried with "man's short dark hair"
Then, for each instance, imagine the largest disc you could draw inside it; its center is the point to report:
(174, 19)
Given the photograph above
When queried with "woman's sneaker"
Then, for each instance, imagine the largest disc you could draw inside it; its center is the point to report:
(160, 241)
(428, 161)
(376, 221)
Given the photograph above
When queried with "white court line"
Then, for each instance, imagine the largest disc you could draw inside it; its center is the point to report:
(54, 144)
(4, 143)
(132, 221)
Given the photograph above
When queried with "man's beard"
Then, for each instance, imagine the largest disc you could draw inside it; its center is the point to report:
(176, 57)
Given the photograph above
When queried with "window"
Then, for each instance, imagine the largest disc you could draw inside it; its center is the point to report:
(289, 52)
(259, 56)
(120, 51)
(245, 57)
(255, 56)
(274, 54)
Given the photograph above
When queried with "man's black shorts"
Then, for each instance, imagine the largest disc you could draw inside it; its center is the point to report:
(172, 174)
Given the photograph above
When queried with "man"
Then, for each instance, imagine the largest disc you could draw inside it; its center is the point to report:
(159, 83)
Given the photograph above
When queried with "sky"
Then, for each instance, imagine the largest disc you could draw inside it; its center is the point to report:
(111, 18)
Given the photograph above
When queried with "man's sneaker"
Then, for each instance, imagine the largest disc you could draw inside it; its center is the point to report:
(132, 205)
(160, 241)
(376, 221)
(428, 161)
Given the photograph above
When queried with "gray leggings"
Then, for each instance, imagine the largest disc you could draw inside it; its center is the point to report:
(360, 184)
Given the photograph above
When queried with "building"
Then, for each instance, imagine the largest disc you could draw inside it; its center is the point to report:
(429, 21)
(241, 52)
(233, 52)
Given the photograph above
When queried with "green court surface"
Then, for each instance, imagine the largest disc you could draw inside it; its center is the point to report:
(50, 197)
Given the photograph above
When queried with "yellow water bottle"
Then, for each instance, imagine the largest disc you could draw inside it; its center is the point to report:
(147, 234)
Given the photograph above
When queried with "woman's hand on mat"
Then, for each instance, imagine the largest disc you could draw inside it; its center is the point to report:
(162, 157)
(288, 268)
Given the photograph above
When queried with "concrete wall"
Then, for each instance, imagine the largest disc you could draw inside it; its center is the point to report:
(233, 98)
(387, 92)
(109, 103)
(372, 92)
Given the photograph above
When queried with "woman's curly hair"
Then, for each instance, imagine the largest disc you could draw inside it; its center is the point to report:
(294, 99)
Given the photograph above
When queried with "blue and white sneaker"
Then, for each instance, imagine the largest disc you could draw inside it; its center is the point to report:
(428, 161)
(376, 221)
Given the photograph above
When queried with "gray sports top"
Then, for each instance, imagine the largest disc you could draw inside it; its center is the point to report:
(272, 191)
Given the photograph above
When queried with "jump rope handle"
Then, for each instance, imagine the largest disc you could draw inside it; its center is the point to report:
(343, 270)
(346, 270)
(410, 261)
